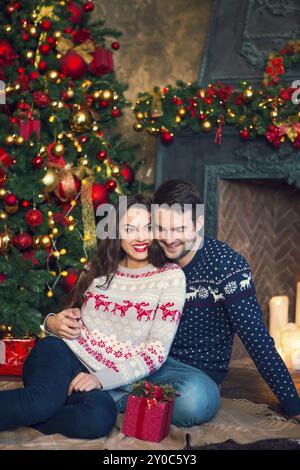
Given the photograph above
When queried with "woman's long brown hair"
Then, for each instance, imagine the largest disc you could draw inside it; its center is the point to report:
(108, 255)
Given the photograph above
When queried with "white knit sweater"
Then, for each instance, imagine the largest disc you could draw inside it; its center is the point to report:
(129, 327)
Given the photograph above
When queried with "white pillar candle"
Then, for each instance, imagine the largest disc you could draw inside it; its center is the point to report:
(290, 342)
(295, 360)
(279, 316)
(297, 313)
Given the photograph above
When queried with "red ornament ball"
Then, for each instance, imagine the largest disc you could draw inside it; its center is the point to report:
(37, 162)
(68, 30)
(99, 194)
(41, 99)
(245, 134)
(44, 49)
(25, 37)
(70, 281)
(51, 41)
(76, 12)
(46, 25)
(2, 277)
(10, 200)
(116, 112)
(22, 241)
(25, 204)
(34, 75)
(72, 65)
(111, 185)
(115, 45)
(7, 53)
(102, 155)
(104, 104)
(34, 217)
(42, 66)
(88, 7)
(21, 70)
(127, 173)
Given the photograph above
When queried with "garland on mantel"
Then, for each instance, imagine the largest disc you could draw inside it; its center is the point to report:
(264, 111)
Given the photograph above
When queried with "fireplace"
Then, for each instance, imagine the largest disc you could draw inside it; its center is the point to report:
(261, 220)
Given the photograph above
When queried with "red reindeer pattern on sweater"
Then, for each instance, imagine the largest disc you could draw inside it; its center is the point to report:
(129, 327)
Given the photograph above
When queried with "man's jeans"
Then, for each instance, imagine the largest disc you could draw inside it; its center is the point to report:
(199, 398)
(43, 402)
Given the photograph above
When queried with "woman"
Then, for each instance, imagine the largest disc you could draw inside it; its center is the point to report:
(129, 303)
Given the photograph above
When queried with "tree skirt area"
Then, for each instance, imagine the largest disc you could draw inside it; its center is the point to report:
(239, 421)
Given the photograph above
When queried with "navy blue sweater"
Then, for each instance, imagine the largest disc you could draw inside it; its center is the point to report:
(221, 301)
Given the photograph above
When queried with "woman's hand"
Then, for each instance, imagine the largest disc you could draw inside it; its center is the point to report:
(65, 324)
(84, 383)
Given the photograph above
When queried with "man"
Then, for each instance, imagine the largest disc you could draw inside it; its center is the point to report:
(220, 302)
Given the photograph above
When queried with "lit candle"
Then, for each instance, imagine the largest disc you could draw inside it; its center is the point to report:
(279, 316)
(295, 360)
(297, 314)
(290, 343)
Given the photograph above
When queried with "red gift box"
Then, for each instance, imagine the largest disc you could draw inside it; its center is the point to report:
(28, 122)
(147, 419)
(13, 353)
(102, 62)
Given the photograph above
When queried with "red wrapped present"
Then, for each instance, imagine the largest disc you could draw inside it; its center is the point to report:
(13, 353)
(28, 122)
(149, 411)
(102, 62)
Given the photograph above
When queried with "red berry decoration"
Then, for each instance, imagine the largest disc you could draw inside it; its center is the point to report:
(34, 217)
(115, 45)
(83, 139)
(22, 241)
(70, 281)
(46, 25)
(102, 155)
(245, 134)
(2, 277)
(51, 41)
(127, 173)
(25, 37)
(21, 70)
(88, 7)
(25, 204)
(99, 194)
(37, 162)
(68, 30)
(34, 75)
(166, 137)
(111, 185)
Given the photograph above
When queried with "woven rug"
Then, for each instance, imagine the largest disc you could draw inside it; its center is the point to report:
(241, 421)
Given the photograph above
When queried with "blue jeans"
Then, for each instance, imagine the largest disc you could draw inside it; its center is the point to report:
(199, 398)
(44, 404)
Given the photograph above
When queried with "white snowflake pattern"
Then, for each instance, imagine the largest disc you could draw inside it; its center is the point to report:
(231, 287)
(203, 293)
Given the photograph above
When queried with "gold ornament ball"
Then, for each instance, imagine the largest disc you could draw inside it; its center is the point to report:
(274, 114)
(32, 31)
(3, 215)
(201, 93)
(17, 87)
(29, 55)
(70, 93)
(178, 119)
(52, 118)
(2, 192)
(57, 34)
(81, 121)
(138, 127)
(19, 140)
(4, 240)
(34, 15)
(206, 125)
(139, 115)
(96, 95)
(52, 75)
(36, 242)
(58, 149)
(45, 241)
(9, 139)
(106, 95)
(181, 112)
(50, 180)
(248, 94)
(11, 209)
(7, 28)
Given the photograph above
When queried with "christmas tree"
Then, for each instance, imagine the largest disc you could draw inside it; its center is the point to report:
(60, 154)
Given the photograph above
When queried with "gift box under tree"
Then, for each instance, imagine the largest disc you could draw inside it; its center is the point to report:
(28, 122)
(149, 411)
(13, 353)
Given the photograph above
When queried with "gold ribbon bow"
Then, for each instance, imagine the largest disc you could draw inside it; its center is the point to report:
(85, 50)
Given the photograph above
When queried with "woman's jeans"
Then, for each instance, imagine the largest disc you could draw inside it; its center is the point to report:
(44, 404)
(199, 398)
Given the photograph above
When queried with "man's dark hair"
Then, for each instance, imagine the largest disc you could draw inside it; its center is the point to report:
(178, 192)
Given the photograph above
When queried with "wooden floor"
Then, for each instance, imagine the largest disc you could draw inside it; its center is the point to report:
(240, 383)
